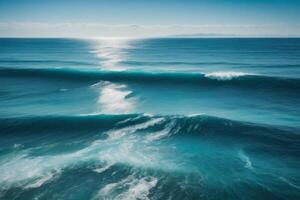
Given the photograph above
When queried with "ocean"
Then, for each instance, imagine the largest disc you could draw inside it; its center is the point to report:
(157, 118)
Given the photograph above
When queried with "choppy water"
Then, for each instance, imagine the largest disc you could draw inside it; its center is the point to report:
(149, 119)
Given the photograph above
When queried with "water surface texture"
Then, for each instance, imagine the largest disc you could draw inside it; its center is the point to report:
(150, 118)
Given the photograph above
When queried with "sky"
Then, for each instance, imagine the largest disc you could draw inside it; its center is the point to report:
(148, 18)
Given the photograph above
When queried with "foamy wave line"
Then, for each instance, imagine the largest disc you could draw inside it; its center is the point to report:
(39, 182)
(225, 75)
(146, 77)
(135, 189)
(246, 160)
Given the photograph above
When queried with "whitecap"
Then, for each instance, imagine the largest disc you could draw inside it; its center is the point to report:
(196, 114)
(116, 134)
(40, 181)
(27, 171)
(134, 189)
(139, 189)
(166, 132)
(103, 168)
(246, 160)
(107, 189)
(63, 90)
(158, 135)
(225, 75)
(21, 170)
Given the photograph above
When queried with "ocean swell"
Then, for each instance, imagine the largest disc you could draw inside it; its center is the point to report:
(232, 79)
(176, 125)
(131, 155)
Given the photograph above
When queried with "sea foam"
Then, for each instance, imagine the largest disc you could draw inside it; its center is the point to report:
(225, 75)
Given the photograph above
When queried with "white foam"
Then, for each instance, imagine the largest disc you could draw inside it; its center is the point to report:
(27, 171)
(225, 75)
(127, 153)
(166, 132)
(24, 170)
(100, 83)
(116, 134)
(103, 169)
(158, 135)
(134, 189)
(63, 90)
(246, 160)
(40, 181)
(132, 150)
(139, 189)
(196, 114)
(148, 115)
(107, 189)
(122, 146)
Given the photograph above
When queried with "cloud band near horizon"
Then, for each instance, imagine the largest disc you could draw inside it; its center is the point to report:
(35, 29)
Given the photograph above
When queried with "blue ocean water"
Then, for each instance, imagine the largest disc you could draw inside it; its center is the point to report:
(164, 118)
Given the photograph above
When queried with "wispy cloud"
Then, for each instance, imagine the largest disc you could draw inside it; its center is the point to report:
(34, 29)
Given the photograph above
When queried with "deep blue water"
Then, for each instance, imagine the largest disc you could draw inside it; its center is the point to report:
(150, 118)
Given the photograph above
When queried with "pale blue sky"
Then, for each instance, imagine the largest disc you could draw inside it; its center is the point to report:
(138, 18)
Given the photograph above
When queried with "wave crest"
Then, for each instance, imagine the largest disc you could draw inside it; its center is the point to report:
(232, 79)
(225, 75)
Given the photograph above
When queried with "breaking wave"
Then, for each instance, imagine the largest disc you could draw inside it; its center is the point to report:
(127, 156)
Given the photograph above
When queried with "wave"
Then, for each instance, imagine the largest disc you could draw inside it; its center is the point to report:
(157, 127)
(236, 79)
(225, 75)
(128, 162)
(68, 123)
(137, 188)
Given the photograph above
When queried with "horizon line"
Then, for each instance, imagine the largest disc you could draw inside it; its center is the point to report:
(155, 37)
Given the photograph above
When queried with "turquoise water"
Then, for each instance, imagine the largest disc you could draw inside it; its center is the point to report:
(150, 118)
